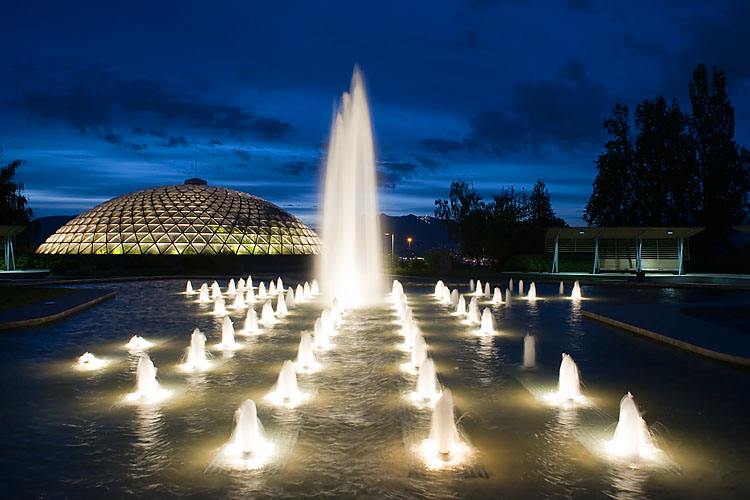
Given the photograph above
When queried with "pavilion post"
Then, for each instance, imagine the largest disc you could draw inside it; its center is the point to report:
(638, 249)
(595, 270)
(555, 264)
(680, 247)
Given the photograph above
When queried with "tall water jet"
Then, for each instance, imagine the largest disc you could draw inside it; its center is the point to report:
(510, 284)
(532, 291)
(272, 288)
(439, 286)
(428, 387)
(227, 336)
(239, 301)
(306, 361)
(249, 281)
(418, 352)
(461, 306)
(189, 288)
(321, 340)
(279, 284)
(632, 440)
(262, 291)
(286, 392)
(520, 287)
(473, 317)
(562, 288)
(196, 357)
(290, 299)
(314, 288)
(508, 296)
(443, 431)
(569, 382)
(215, 290)
(251, 323)
(250, 296)
(307, 291)
(267, 316)
(299, 294)
(247, 448)
(497, 296)
(232, 287)
(147, 388)
(454, 298)
(219, 306)
(488, 322)
(350, 265)
(281, 308)
(241, 285)
(478, 290)
(203, 296)
(576, 293)
(487, 290)
(529, 352)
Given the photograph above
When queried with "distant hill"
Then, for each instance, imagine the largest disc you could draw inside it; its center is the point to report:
(43, 227)
(426, 232)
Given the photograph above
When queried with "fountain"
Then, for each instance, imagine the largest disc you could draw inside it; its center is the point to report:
(239, 301)
(418, 353)
(461, 306)
(443, 431)
(231, 288)
(487, 290)
(508, 296)
(215, 290)
(196, 358)
(520, 287)
(285, 392)
(532, 291)
(306, 362)
(632, 440)
(147, 388)
(510, 284)
(488, 322)
(428, 387)
(497, 296)
(576, 293)
(267, 317)
(473, 317)
(562, 288)
(138, 343)
(203, 296)
(247, 448)
(529, 352)
(306, 291)
(279, 284)
(241, 286)
(227, 336)
(249, 282)
(314, 288)
(290, 299)
(439, 287)
(471, 286)
(250, 296)
(272, 288)
(262, 291)
(281, 308)
(299, 294)
(478, 291)
(350, 265)
(321, 333)
(88, 362)
(219, 306)
(189, 288)
(454, 298)
(251, 323)
(569, 384)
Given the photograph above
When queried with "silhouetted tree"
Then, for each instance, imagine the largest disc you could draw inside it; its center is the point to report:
(464, 213)
(540, 207)
(611, 200)
(723, 168)
(13, 204)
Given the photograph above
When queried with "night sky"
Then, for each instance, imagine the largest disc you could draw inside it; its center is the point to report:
(101, 100)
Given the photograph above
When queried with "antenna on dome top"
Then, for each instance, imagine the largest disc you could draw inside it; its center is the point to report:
(195, 181)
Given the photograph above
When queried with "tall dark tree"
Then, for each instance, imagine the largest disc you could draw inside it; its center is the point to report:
(663, 179)
(464, 213)
(611, 201)
(723, 167)
(14, 208)
(540, 207)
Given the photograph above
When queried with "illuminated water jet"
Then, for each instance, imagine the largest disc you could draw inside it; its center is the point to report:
(147, 388)
(428, 387)
(231, 288)
(299, 294)
(272, 288)
(215, 291)
(219, 307)
(632, 440)
(286, 391)
(262, 291)
(267, 316)
(520, 287)
(227, 336)
(562, 288)
(196, 358)
(532, 292)
(247, 447)
(251, 323)
(568, 385)
(461, 306)
(138, 343)
(487, 290)
(576, 293)
(203, 296)
(88, 362)
(488, 322)
(189, 288)
(473, 317)
(497, 296)
(529, 352)
(239, 301)
(306, 362)
(314, 288)
(478, 291)
(281, 308)
(290, 299)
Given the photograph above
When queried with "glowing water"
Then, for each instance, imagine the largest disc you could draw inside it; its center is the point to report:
(272, 288)
(314, 288)
(219, 306)
(439, 287)
(299, 294)
(350, 265)
(478, 291)
(196, 357)
(508, 296)
(241, 286)
(227, 336)
(87, 361)
(473, 317)
(520, 287)
(281, 308)
(632, 440)
(497, 296)
(251, 323)
(262, 291)
(232, 288)
(428, 387)
(569, 383)
(147, 388)
(532, 291)
(529, 351)
(267, 317)
(286, 392)
(443, 431)
(486, 290)
(418, 352)
(247, 448)
(189, 288)
(138, 343)
(510, 284)
(562, 288)
(461, 306)
(305, 355)
(203, 296)
(321, 335)
(454, 298)
(576, 293)
(215, 290)
(488, 322)
(471, 285)
(239, 301)
(250, 296)
(279, 284)
(290, 299)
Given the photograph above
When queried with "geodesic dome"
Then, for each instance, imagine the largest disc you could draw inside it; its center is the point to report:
(190, 218)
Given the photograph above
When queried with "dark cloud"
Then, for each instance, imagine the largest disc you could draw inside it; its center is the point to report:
(213, 143)
(119, 140)
(295, 167)
(99, 100)
(243, 154)
(390, 173)
(565, 113)
(443, 146)
(429, 162)
(174, 142)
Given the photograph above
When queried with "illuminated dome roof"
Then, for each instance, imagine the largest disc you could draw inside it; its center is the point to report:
(190, 218)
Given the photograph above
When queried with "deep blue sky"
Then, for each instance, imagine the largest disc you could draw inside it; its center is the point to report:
(105, 99)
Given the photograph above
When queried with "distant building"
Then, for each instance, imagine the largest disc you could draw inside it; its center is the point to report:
(190, 218)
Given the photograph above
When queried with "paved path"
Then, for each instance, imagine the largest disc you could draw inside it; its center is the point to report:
(52, 310)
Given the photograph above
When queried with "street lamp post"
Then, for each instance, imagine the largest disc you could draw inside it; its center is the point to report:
(408, 240)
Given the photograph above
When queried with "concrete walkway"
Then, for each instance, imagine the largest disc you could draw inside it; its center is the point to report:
(678, 325)
(40, 313)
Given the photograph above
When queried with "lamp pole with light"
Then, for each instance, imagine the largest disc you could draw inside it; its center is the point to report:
(408, 240)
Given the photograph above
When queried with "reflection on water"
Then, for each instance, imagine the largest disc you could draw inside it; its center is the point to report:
(151, 444)
(627, 483)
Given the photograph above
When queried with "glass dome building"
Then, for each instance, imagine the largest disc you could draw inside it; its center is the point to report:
(190, 218)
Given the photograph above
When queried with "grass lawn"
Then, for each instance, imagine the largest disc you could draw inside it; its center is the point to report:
(17, 296)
